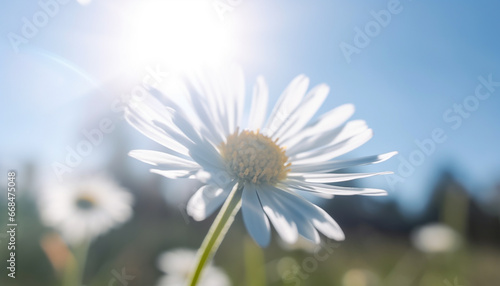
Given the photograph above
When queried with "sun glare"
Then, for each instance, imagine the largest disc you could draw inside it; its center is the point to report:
(178, 32)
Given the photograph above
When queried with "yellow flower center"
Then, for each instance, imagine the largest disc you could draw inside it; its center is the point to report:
(85, 202)
(253, 157)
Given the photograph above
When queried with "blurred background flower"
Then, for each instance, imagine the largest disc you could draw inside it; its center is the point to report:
(360, 277)
(178, 265)
(436, 238)
(81, 208)
(85, 207)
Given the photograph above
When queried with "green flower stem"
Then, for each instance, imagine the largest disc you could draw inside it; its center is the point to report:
(254, 263)
(218, 231)
(81, 259)
(74, 271)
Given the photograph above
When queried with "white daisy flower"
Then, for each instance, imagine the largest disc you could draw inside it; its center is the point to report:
(82, 209)
(275, 159)
(436, 238)
(178, 263)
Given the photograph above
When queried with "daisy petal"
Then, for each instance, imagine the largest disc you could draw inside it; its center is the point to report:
(328, 121)
(206, 155)
(320, 219)
(206, 200)
(153, 132)
(159, 158)
(254, 217)
(304, 227)
(286, 228)
(209, 128)
(208, 97)
(153, 112)
(333, 190)
(204, 114)
(259, 104)
(336, 165)
(237, 90)
(328, 138)
(186, 126)
(332, 177)
(288, 101)
(327, 225)
(310, 195)
(333, 151)
(175, 174)
(304, 112)
(202, 151)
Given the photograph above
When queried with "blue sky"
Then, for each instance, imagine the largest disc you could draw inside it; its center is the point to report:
(427, 58)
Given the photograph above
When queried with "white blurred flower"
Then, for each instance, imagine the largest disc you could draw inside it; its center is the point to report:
(207, 133)
(178, 263)
(82, 209)
(436, 238)
(360, 277)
